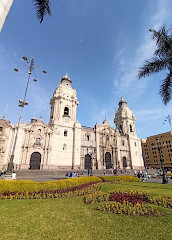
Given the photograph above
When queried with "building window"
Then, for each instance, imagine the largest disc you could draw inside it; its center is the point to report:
(88, 137)
(39, 130)
(66, 111)
(65, 146)
(123, 143)
(120, 129)
(135, 144)
(38, 141)
(65, 133)
(1, 128)
(131, 128)
(107, 138)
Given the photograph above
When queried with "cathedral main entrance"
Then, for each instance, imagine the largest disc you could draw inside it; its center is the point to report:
(35, 161)
(88, 161)
(108, 160)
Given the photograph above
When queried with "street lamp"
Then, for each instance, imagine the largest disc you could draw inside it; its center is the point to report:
(164, 179)
(22, 103)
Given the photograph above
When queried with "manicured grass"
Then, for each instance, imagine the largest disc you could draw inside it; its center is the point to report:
(153, 188)
(70, 218)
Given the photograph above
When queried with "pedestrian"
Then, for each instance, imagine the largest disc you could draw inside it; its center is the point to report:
(13, 176)
(67, 175)
(2, 175)
(70, 175)
(88, 172)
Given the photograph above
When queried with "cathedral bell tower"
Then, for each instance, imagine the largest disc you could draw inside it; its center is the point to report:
(125, 119)
(63, 103)
(66, 136)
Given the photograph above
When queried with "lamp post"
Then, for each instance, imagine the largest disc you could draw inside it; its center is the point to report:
(22, 103)
(164, 178)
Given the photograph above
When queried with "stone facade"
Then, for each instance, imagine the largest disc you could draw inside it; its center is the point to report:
(65, 144)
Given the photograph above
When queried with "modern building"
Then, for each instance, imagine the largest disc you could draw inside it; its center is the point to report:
(156, 148)
(64, 143)
(5, 6)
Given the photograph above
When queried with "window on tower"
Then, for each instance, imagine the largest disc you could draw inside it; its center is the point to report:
(64, 146)
(66, 111)
(120, 129)
(65, 133)
(131, 128)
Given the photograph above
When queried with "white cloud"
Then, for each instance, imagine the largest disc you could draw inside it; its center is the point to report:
(153, 114)
(126, 80)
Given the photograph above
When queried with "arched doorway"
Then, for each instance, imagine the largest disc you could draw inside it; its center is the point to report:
(124, 162)
(35, 161)
(108, 160)
(88, 161)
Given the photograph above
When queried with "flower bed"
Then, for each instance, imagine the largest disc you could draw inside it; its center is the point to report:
(117, 196)
(128, 208)
(31, 186)
(161, 201)
(125, 202)
(80, 190)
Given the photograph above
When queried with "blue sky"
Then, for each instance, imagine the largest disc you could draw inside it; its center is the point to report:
(100, 44)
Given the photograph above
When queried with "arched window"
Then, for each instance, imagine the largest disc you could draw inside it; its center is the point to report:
(123, 142)
(66, 111)
(38, 141)
(64, 146)
(1, 128)
(120, 129)
(131, 128)
(88, 137)
(39, 130)
(65, 133)
(107, 138)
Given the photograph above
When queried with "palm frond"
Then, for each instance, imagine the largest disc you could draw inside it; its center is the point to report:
(166, 89)
(42, 8)
(153, 66)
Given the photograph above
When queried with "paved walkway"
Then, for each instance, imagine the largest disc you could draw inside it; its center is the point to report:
(53, 175)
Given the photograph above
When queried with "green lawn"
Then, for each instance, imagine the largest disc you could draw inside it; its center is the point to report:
(70, 218)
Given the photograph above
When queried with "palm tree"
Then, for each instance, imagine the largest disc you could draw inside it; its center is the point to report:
(42, 8)
(162, 60)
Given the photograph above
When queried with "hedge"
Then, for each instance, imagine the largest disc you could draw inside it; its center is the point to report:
(31, 186)
(120, 179)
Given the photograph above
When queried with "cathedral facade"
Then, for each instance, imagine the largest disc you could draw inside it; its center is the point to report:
(65, 144)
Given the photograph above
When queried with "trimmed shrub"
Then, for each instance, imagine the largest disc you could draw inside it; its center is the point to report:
(31, 186)
(170, 175)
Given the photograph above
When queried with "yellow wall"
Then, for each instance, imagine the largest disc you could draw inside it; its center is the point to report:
(150, 151)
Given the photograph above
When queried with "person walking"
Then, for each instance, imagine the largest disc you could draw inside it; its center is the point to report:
(13, 176)
(2, 175)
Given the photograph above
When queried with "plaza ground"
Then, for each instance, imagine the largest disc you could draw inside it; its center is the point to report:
(70, 218)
